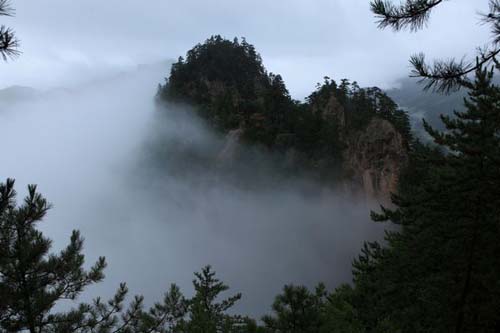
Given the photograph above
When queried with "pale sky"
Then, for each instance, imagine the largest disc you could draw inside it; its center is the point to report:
(68, 42)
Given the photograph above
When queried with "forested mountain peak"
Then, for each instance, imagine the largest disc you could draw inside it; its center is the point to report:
(229, 86)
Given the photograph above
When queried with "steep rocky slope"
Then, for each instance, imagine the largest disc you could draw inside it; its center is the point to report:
(374, 158)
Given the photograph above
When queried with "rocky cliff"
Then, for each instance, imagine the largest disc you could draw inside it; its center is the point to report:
(373, 160)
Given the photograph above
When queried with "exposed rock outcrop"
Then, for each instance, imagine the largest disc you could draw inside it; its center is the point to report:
(332, 109)
(230, 150)
(374, 158)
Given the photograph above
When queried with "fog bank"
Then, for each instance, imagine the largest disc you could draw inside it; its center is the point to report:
(89, 150)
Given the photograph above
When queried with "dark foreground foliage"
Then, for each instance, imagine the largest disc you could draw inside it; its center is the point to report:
(440, 271)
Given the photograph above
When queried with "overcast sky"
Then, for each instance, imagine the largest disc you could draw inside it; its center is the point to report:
(67, 42)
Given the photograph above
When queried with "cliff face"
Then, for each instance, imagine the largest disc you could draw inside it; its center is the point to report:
(374, 158)
(230, 150)
(331, 109)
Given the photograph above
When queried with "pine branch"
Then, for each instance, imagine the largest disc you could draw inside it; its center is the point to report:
(9, 44)
(5, 8)
(443, 76)
(413, 13)
(493, 18)
(448, 76)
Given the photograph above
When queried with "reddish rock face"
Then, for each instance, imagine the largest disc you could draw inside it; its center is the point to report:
(374, 158)
(332, 109)
(229, 151)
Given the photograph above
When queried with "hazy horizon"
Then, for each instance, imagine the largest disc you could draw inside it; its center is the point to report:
(66, 43)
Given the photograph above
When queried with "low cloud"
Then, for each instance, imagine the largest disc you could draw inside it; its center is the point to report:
(89, 149)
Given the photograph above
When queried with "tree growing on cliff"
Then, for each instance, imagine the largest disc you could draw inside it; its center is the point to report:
(443, 76)
(8, 42)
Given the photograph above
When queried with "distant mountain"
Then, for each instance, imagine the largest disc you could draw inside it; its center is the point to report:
(420, 104)
(17, 93)
(425, 104)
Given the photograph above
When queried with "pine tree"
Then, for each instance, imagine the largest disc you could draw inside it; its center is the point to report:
(439, 272)
(206, 315)
(33, 281)
(473, 141)
(297, 310)
(8, 42)
(340, 314)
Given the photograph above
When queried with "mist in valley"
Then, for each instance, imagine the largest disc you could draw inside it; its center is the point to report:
(109, 159)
